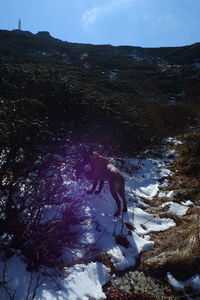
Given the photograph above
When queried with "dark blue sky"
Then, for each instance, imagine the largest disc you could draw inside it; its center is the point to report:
(149, 23)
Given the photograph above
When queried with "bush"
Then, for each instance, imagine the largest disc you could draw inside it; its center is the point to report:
(38, 214)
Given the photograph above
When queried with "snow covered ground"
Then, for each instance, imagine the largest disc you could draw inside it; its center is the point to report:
(84, 281)
(179, 285)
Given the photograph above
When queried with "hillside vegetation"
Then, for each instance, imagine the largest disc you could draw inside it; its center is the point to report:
(122, 100)
(93, 90)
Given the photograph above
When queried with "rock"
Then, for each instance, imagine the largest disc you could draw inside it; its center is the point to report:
(137, 282)
(44, 35)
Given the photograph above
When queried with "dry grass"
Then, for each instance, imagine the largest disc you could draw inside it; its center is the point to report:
(178, 249)
(188, 162)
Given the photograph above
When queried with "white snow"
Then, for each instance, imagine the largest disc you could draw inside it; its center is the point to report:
(122, 258)
(176, 208)
(177, 285)
(170, 194)
(167, 194)
(172, 140)
(79, 282)
(186, 202)
(145, 223)
(14, 272)
(84, 56)
(84, 281)
(144, 182)
(193, 282)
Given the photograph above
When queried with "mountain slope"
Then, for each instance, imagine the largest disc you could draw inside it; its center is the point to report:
(95, 88)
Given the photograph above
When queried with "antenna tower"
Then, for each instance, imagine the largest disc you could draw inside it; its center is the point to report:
(19, 24)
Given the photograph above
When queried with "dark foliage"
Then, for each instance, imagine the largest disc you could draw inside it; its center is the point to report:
(31, 182)
(53, 92)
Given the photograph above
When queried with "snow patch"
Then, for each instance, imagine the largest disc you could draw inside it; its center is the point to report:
(175, 208)
(178, 209)
(167, 194)
(145, 223)
(193, 282)
(122, 258)
(172, 140)
(83, 282)
(83, 56)
(79, 282)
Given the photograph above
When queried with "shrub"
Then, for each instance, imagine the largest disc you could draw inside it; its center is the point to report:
(38, 214)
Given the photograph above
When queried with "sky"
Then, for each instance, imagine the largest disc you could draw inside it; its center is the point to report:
(145, 23)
